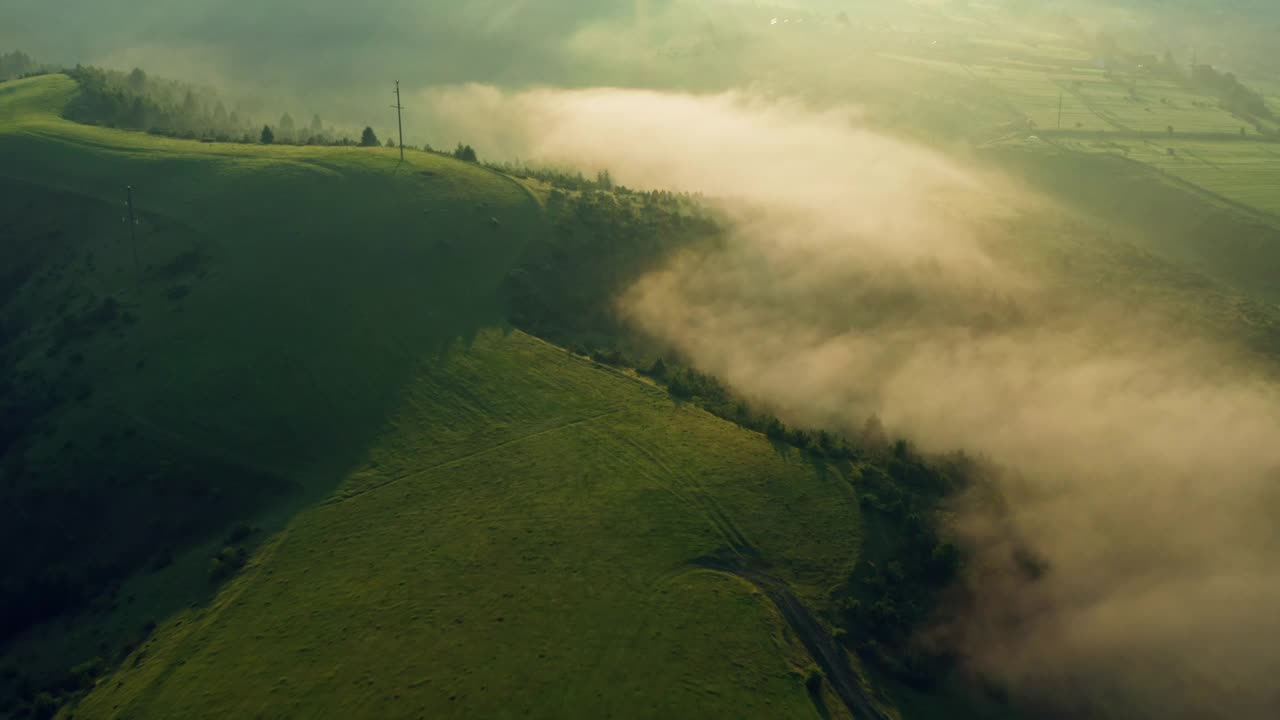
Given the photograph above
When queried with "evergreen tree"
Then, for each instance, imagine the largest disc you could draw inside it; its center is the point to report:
(138, 80)
(267, 137)
(138, 115)
(219, 117)
(368, 138)
(286, 127)
(190, 110)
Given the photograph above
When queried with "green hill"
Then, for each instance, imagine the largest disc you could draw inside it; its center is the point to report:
(545, 565)
(436, 516)
(280, 300)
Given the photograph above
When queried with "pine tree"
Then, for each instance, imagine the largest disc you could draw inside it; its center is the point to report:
(190, 110)
(138, 80)
(268, 137)
(465, 153)
(219, 119)
(286, 127)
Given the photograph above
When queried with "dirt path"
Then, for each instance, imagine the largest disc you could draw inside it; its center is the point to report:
(824, 649)
(826, 652)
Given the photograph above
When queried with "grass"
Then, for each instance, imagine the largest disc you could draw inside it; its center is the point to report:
(1247, 173)
(1157, 104)
(1165, 215)
(314, 281)
(1242, 169)
(1037, 97)
(476, 523)
(1240, 173)
(283, 299)
(313, 259)
(537, 567)
(483, 525)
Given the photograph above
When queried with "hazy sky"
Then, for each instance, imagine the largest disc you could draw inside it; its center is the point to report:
(312, 42)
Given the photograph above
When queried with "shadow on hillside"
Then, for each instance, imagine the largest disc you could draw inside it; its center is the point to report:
(785, 450)
(819, 702)
(222, 409)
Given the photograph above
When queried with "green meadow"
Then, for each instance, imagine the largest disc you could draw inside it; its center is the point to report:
(544, 565)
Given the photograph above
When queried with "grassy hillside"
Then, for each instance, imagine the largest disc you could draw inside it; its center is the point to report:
(306, 366)
(545, 565)
(261, 338)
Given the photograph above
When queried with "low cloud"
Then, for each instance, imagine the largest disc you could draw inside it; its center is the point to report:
(860, 279)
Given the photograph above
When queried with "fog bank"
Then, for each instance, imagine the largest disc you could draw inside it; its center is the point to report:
(858, 280)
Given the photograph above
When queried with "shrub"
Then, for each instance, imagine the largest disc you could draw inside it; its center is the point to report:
(44, 707)
(465, 153)
(239, 534)
(84, 675)
(813, 677)
(776, 430)
(657, 370)
(227, 562)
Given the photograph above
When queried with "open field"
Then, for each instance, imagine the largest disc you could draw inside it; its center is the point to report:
(1240, 172)
(1052, 85)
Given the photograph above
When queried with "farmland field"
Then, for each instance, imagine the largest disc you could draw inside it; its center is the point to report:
(1247, 173)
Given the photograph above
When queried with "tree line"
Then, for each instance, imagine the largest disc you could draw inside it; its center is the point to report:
(1235, 97)
(170, 108)
(138, 101)
(18, 64)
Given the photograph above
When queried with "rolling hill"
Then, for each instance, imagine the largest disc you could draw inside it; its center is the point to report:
(437, 516)
(252, 335)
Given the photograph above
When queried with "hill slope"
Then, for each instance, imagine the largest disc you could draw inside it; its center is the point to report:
(259, 340)
(495, 527)
(543, 566)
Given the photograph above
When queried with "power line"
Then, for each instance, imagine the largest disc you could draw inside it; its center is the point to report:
(399, 120)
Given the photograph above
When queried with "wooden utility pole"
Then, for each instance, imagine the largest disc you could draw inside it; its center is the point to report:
(399, 119)
(133, 230)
